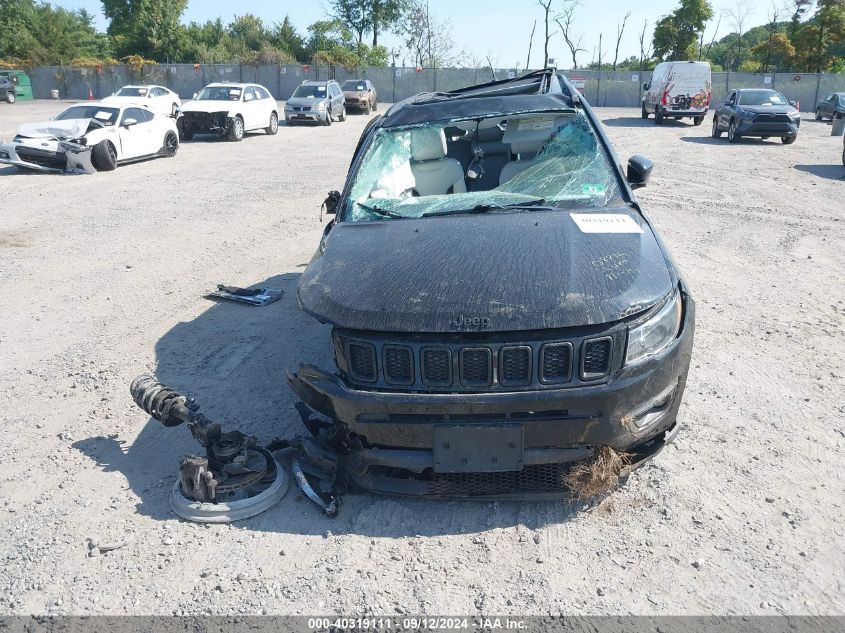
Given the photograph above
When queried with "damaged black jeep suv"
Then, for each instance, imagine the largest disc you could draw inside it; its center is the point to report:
(502, 307)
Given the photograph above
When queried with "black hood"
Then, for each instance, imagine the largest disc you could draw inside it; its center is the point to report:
(499, 272)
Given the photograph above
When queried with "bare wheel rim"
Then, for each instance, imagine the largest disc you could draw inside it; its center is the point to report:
(170, 144)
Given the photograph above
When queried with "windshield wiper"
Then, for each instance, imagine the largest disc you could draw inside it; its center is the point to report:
(486, 208)
(379, 211)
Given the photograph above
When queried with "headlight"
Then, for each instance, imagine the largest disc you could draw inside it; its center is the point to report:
(288, 107)
(745, 113)
(321, 105)
(656, 334)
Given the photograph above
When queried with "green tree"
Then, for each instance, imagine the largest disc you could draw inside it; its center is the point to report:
(248, 32)
(356, 16)
(676, 35)
(64, 36)
(776, 52)
(387, 15)
(285, 37)
(150, 28)
(17, 40)
(830, 23)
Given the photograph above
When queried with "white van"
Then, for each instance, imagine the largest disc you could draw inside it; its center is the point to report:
(678, 90)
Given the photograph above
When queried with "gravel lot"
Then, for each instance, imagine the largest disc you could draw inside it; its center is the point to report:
(102, 278)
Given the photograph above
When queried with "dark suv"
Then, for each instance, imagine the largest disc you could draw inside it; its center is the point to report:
(7, 90)
(502, 307)
(756, 112)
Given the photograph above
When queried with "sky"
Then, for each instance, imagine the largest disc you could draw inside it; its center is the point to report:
(498, 28)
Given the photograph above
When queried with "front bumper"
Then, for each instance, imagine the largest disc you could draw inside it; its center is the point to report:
(755, 127)
(634, 412)
(205, 122)
(668, 112)
(69, 157)
(312, 115)
(356, 104)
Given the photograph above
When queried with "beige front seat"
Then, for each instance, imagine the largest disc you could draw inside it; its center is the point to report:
(434, 174)
(526, 151)
(526, 137)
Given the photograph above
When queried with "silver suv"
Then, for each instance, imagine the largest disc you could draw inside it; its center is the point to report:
(316, 102)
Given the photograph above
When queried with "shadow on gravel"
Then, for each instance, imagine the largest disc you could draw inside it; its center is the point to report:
(830, 172)
(232, 359)
(709, 140)
(632, 121)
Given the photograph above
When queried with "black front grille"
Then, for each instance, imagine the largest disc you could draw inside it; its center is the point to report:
(515, 366)
(398, 365)
(537, 478)
(772, 118)
(476, 370)
(42, 157)
(436, 367)
(476, 363)
(596, 358)
(362, 361)
(556, 362)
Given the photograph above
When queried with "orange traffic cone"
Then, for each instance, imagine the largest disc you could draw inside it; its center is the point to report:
(90, 95)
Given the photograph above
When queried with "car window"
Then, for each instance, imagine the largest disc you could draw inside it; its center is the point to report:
(310, 92)
(570, 170)
(260, 93)
(106, 116)
(354, 85)
(220, 93)
(132, 91)
(133, 113)
(761, 98)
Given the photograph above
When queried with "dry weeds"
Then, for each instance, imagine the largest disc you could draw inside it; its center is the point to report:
(597, 476)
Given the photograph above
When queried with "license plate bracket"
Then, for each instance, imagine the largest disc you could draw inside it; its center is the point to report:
(478, 448)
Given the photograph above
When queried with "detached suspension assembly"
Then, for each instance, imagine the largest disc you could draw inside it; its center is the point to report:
(234, 467)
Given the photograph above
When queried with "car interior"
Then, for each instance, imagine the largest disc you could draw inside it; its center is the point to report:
(463, 156)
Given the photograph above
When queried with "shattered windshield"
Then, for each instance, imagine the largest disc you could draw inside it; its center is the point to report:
(499, 164)
(106, 116)
(761, 98)
(310, 92)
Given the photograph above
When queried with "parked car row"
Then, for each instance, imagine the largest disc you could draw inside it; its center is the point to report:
(683, 90)
(92, 136)
(144, 121)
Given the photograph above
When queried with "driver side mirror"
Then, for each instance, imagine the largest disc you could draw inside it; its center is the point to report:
(639, 171)
(331, 203)
(195, 96)
(645, 86)
(247, 97)
(130, 122)
(794, 104)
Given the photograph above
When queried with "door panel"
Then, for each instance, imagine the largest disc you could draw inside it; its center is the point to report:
(132, 139)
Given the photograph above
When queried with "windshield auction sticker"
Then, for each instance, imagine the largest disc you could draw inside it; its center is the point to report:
(605, 223)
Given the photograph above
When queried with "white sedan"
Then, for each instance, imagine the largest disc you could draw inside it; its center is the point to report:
(159, 99)
(229, 109)
(90, 137)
